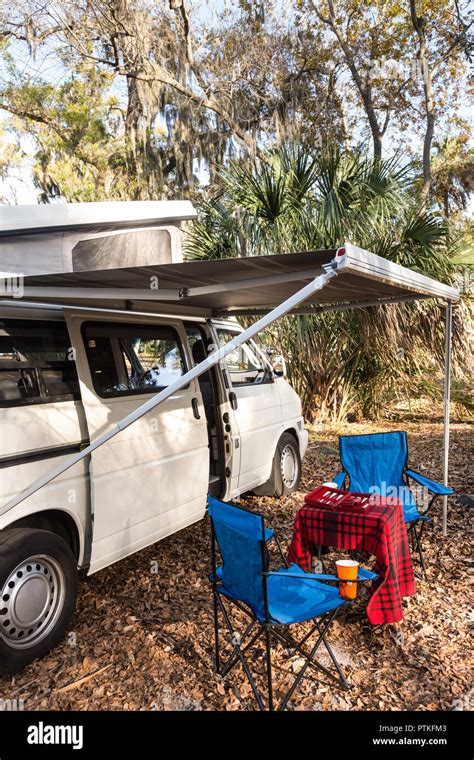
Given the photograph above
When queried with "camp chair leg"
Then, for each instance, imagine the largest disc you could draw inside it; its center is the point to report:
(415, 547)
(420, 534)
(309, 660)
(229, 665)
(308, 636)
(239, 652)
(417, 535)
(291, 642)
(333, 657)
(286, 638)
(216, 633)
(214, 594)
(234, 659)
(268, 647)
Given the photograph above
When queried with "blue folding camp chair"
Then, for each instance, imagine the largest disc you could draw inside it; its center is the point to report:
(272, 600)
(377, 462)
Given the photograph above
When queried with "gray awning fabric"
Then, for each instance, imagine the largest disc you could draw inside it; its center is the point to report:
(240, 286)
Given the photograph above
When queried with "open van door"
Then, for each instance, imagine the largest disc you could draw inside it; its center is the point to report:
(256, 404)
(151, 479)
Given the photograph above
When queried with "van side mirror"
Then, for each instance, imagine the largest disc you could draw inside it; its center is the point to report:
(277, 361)
(279, 366)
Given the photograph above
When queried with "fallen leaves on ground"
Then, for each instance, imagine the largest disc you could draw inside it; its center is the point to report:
(143, 640)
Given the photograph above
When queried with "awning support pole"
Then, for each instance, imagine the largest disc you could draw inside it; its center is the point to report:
(447, 399)
(214, 358)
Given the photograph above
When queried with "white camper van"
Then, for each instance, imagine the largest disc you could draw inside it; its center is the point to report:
(70, 372)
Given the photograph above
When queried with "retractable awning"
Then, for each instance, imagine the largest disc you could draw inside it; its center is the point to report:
(347, 277)
(243, 286)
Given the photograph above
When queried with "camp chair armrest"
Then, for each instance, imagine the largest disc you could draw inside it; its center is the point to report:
(339, 479)
(327, 578)
(436, 488)
(305, 576)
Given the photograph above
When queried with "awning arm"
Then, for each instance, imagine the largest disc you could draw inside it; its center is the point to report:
(106, 294)
(214, 358)
(161, 294)
(447, 399)
(254, 282)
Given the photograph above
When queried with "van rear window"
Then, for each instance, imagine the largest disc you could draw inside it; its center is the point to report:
(127, 359)
(37, 363)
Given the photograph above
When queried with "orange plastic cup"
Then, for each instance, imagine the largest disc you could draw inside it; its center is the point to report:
(347, 570)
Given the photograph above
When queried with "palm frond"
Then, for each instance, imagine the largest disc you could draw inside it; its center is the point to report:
(296, 200)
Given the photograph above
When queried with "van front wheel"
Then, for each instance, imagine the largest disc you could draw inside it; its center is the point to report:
(38, 582)
(286, 469)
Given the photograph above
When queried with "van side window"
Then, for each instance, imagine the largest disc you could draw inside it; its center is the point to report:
(132, 359)
(37, 364)
(244, 364)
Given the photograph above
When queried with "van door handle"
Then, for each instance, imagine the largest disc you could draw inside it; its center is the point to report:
(195, 406)
(233, 400)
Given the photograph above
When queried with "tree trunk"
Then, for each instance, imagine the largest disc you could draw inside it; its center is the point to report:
(375, 130)
(428, 139)
(419, 27)
(363, 87)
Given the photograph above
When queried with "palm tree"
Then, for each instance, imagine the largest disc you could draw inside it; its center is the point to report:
(453, 173)
(296, 201)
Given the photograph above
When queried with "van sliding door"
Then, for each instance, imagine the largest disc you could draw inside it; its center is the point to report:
(151, 479)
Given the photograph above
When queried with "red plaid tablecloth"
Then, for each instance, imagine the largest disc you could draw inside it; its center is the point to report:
(381, 532)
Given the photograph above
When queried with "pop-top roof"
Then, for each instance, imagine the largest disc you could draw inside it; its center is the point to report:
(56, 217)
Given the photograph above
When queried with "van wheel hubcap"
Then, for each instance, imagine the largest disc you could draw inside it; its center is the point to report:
(289, 466)
(32, 599)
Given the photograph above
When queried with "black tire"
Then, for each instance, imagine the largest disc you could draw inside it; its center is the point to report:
(276, 485)
(38, 582)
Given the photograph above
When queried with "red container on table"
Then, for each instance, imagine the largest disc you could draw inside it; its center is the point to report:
(335, 499)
